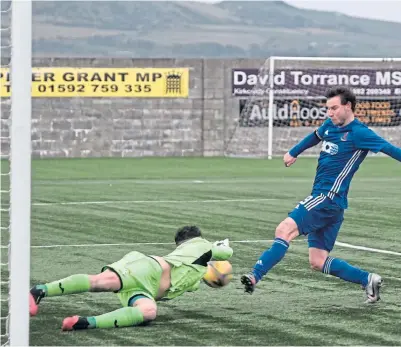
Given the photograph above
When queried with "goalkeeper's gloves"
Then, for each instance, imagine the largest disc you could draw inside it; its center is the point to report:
(221, 250)
(224, 242)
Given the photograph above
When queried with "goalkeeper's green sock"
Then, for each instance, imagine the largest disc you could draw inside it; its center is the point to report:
(123, 317)
(70, 285)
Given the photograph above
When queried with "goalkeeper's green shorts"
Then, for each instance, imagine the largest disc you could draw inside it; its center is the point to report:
(139, 275)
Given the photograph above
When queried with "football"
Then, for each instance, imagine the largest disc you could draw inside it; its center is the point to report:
(218, 274)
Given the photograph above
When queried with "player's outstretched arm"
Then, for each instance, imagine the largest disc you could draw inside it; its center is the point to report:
(221, 250)
(308, 142)
(392, 151)
(367, 139)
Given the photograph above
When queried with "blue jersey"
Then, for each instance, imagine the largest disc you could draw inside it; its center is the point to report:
(342, 151)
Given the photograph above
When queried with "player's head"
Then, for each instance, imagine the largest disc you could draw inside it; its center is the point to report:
(185, 233)
(340, 103)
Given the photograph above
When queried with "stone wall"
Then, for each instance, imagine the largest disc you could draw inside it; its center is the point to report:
(204, 124)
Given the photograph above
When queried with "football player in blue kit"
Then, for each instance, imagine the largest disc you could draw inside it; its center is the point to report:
(345, 144)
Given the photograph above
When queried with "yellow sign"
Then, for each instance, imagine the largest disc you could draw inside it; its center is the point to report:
(50, 82)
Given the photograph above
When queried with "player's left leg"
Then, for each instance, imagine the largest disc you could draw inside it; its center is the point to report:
(320, 245)
(299, 221)
(141, 309)
(80, 283)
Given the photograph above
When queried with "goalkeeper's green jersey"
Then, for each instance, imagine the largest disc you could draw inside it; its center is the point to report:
(189, 263)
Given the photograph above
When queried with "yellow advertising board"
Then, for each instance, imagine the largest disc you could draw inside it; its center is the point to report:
(48, 82)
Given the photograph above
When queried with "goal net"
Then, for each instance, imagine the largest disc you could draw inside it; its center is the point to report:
(283, 100)
(16, 54)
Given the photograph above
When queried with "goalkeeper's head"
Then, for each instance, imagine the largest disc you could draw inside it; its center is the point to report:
(186, 233)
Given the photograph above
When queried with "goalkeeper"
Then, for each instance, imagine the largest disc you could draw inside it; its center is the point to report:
(139, 281)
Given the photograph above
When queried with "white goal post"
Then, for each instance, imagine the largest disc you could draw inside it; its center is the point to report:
(19, 176)
(284, 100)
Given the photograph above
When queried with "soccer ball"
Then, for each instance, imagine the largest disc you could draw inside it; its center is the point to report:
(218, 274)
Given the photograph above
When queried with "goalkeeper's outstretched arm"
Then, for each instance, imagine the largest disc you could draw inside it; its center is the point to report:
(221, 250)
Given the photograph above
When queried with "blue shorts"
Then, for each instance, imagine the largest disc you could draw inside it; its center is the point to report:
(320, 218)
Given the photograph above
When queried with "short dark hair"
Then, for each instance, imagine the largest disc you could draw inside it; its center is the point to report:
(344, 93)
(186, 232)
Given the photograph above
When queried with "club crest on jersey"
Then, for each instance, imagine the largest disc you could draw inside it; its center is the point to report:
(329, 147)
(344, 137)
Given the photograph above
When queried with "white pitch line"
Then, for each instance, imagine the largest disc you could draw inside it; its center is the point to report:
(362, 248)
(148, 201)
(141, 243)
(341, 244)
(157, 181)
(106, 202)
